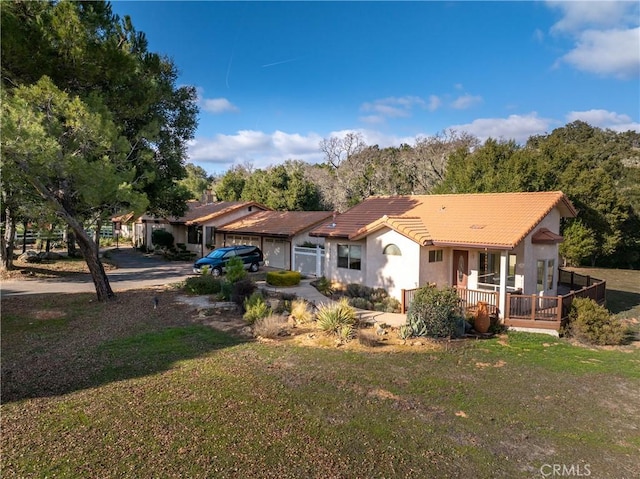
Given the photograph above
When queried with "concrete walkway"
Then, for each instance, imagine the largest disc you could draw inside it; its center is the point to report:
(308, 292)
(136, 270)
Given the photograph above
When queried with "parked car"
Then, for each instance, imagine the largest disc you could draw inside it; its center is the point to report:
(217, 260)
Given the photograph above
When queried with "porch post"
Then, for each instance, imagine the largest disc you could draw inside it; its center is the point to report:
(504, 269)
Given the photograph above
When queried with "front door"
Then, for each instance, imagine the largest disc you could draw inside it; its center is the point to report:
(460, 268)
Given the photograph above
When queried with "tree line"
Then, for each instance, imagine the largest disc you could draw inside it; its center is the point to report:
(93, 124)
(598, 169)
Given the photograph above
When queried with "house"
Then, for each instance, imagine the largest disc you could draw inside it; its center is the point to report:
(277, 233)
(124, 225)
(487, 245)
(206, 226)
(197, 228)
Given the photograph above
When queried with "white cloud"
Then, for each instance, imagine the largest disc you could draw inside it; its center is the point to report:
(606, 36)
(256, 147)
(217, 105)
(605, 119)
(372, 119)
(608, 52)
(595, 14)
(261, 149)
(214, 105)
(466, 101)
(538, 35)
(392, 107)
(374, 137)
(434, 103)
(516, 127)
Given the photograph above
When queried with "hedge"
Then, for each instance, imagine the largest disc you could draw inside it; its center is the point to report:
(283, 278)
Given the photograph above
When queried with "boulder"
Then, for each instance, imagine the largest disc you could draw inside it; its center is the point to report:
(30, 256)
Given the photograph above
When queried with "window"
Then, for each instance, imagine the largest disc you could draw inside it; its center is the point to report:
(489, 270)
(550, 267)
(540, 266)
(194, 234)
(511, 275)
(545, 271)
(209, 238)
(392, 250)
(435, 256)
(349, 256)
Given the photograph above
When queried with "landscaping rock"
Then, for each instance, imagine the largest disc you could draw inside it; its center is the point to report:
(30, 256)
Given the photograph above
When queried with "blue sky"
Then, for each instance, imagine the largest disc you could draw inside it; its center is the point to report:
(275, 78)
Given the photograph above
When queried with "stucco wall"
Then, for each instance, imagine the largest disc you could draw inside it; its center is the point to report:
(438, 272)
(391, 272)
(534, 252)
(342, 275)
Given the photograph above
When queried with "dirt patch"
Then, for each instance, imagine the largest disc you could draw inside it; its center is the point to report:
(44, 314)
(63, 267)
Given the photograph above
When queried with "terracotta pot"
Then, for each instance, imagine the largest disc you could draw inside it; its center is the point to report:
(482, 321)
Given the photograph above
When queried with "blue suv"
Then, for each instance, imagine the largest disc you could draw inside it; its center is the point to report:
(217, 260)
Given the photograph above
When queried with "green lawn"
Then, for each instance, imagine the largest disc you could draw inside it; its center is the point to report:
(123, 390)
(623, 289)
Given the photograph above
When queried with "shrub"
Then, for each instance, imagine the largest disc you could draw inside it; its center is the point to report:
(300, 311)
(388, 305)
(270, 326)
(356, 290)
(241, 290)
(332, 317)
(283, 278)
(360, 303)
(283, 306)
(235, 270)
(434, 312)
(376, 299)
(226, 291)
(324, 286)
(162, 238)
(345, 332)
(203, 284)
(591, 323)
(255, 308)
(405, 332)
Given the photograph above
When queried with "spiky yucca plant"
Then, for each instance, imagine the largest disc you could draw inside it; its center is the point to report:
(331, 317)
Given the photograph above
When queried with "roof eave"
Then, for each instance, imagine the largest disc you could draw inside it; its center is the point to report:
(456, 244)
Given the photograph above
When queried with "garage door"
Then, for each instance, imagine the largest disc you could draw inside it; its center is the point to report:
(276, 253)
(239, 239)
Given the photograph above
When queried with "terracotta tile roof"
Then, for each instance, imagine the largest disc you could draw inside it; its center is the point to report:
(202, 213)
(482, 219)
(276, 223)
(368, 211)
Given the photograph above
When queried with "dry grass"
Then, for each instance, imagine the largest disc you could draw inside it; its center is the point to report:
(122, 390)
(270, 327)
(51, 268)
(125, 390)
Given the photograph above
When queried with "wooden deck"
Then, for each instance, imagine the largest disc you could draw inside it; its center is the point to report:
(532, 311)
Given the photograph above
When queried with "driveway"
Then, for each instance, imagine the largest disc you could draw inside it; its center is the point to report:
(135, 270)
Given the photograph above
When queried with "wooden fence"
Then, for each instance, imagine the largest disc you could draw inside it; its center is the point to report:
(32, 236)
